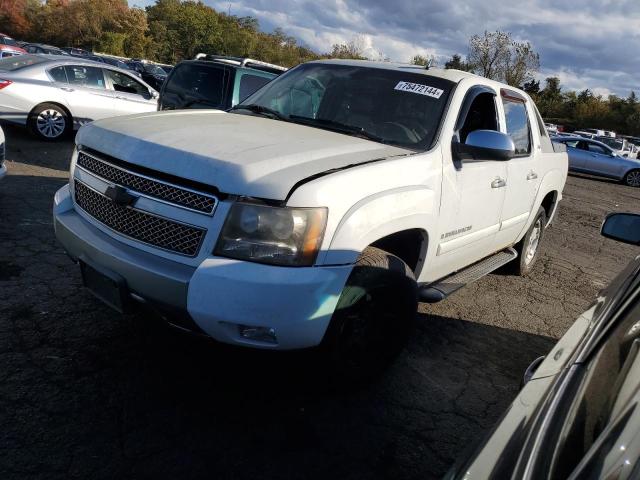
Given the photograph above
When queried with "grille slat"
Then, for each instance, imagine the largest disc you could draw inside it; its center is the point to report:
(151, 229)
(147, 186)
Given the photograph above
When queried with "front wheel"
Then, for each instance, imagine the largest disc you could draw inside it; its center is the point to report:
(374, 317)
(632, 178)
(529, 247)
(49, 122)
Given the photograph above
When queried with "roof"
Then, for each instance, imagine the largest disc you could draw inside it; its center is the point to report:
(446, 74)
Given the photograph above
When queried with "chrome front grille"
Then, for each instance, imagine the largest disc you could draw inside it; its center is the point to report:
(163, 191)
(151, 229)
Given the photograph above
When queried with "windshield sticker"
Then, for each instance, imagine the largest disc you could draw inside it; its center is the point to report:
(419, 89)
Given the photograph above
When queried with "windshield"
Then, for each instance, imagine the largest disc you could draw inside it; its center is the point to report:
(154, 70)
(390, 106)
(16, 63)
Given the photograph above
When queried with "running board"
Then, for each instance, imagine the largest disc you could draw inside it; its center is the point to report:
(437, 291)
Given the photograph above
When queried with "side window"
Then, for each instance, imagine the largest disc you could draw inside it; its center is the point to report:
(249, 84)
(573, 143)
(82, 76)
(518, 127)
(58, 74)
(597, 149)
(482, 115)
(124, 83)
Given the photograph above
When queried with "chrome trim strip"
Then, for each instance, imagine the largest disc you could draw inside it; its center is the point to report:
(196, 227)
(142, 194)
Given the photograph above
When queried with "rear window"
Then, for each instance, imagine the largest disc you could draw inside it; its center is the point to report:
(195, 86)
(16, 63)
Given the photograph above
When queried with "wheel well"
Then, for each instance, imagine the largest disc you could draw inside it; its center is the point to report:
(408, 245)
(66, 110)
(549, 203)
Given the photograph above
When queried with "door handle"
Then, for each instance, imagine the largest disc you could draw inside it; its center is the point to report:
(67, 89)
(532, 176)
(499, 183)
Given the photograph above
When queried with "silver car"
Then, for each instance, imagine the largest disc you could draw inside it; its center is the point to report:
(596, 158)
(52, 95)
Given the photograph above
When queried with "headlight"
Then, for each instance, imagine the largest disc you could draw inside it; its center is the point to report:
(274, 235)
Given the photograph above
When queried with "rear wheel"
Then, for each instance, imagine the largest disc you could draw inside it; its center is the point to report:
(529, 247)
(49, 122)
(632, 178)
(374, 317)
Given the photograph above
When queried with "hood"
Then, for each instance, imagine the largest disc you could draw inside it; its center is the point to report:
(238, 154)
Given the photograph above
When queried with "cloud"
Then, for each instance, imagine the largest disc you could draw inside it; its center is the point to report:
(595, 44)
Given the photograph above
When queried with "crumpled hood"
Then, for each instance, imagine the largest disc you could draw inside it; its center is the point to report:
(238, 154)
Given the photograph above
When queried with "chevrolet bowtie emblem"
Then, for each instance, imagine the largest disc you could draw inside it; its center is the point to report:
(119, 195)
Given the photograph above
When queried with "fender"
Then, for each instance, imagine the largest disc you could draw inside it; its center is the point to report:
(379, 215)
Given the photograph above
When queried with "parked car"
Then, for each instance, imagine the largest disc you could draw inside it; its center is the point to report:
(6, 40)
(215, 82)
(149, 72)
(596, 158)
(3, 167)
(77, 52)
(52, 94)
(167, 68)
(114, 61)
(619, 145)
(42, 48)
(585, 134)
(315, 212)
(7, 51)
(577, 415)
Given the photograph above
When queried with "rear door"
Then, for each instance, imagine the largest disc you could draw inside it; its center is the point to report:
(87, 94)
(523, 170)
(130, 96)
(577, 151)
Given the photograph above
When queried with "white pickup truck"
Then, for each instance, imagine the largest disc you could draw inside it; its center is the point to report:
(319, 211)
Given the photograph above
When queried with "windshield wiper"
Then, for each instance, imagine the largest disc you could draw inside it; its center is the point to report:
(261, 109)
(338, 127)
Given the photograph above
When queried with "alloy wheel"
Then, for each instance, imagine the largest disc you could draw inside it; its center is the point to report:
(633, 179)
(534, 241)
(50, 123)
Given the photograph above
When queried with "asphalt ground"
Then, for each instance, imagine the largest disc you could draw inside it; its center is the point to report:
(88, 393)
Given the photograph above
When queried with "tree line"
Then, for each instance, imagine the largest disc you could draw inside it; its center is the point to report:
(172, 30)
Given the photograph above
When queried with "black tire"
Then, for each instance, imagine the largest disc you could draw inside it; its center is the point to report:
(524, 263)
(374, 317)
(632, 178)
(50, 122)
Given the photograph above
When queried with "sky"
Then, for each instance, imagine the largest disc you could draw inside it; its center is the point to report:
(591, 44)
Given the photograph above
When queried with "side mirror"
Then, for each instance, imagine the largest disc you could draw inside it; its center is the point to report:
(485, 145)
(154, 94)
(624, 227)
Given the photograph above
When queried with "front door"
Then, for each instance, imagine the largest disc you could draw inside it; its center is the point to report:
(130, 96)
(473, 193)
(602, 161)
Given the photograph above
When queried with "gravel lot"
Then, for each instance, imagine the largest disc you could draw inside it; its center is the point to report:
(86, 393)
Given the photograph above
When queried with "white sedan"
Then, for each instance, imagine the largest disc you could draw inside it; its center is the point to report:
(53, 95)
